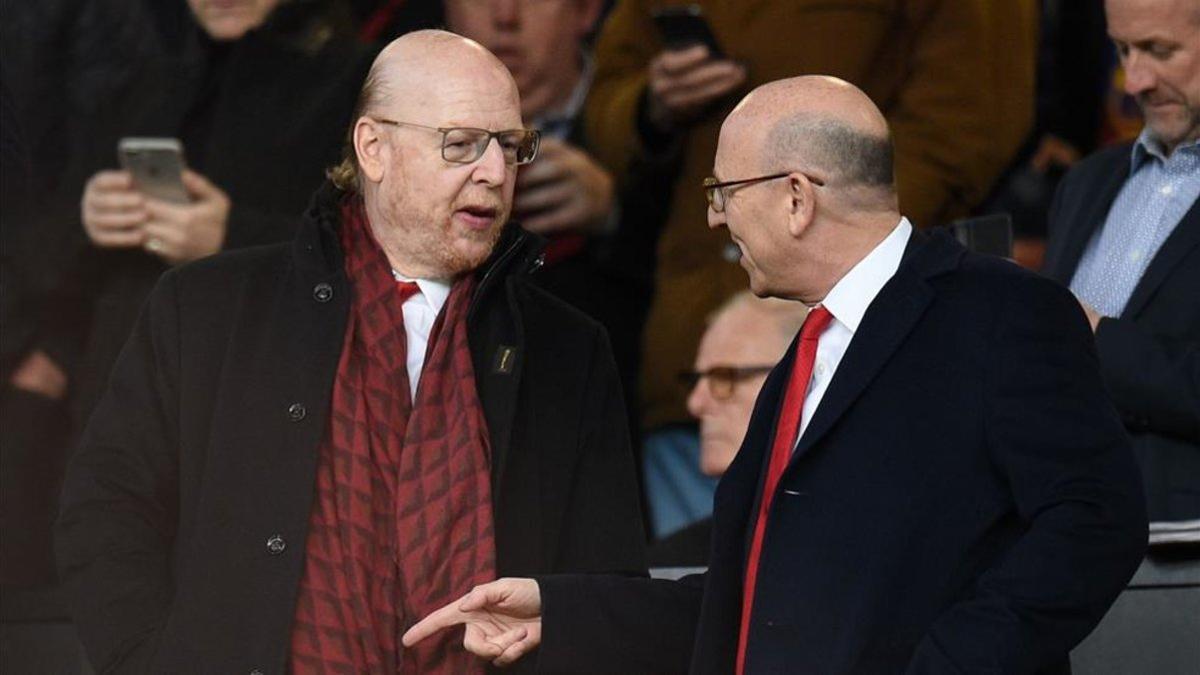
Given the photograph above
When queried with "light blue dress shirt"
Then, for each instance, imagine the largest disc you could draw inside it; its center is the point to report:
(1155, 197)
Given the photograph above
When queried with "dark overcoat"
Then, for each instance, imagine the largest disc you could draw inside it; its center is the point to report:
(182, 535)
(964, 500)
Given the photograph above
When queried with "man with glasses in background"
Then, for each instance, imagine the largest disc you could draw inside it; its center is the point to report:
(307, 447)
(744, 340)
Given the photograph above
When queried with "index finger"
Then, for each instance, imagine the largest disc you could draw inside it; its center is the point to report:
(674, 60)
(439, 620)
(113, 180)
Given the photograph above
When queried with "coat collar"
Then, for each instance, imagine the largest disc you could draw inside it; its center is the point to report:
(888, 321)
(317, 252)
(1089, 218)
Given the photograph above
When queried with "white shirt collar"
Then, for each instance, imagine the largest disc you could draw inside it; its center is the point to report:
(852, 295)
(433, 291)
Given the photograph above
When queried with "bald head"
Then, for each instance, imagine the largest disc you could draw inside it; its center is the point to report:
(422, 67)
(421, 71)
(819, 123)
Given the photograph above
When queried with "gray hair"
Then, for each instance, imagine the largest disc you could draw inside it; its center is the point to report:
(846, 155)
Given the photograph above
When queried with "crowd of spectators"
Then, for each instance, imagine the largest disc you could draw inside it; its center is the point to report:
(990, 104)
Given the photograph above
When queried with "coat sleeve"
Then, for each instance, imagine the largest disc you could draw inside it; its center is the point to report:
(608, 624)
(1154, 379)
(1054, 436)
(952, 140)
(624, 48)
(120, 498)
(603, 514)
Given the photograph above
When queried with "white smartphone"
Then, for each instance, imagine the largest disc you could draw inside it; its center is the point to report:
(156, 165)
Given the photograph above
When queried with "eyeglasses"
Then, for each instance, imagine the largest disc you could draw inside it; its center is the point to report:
(463, 145)
(721, 379)
(717, 194)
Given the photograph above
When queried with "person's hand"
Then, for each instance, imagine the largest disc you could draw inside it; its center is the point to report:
(1053, 151)
(113, 210)
(179, 233)
(564, 190)
(39, 374)
(503, 620)
(683, 82)
(1093, 316)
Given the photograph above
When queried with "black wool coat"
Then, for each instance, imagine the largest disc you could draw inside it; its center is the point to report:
(964, 500)
(182, 534)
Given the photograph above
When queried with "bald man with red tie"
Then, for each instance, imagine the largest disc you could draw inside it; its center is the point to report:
(933, 480)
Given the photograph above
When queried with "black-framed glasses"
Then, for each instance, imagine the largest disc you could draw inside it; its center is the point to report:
(717, 193)
(722, 379)
(463, 145)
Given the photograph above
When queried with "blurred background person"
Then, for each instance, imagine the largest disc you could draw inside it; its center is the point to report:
(1075, 62)
(1125, 236)
(259, 92)
(955, 79)
(600, 241)
(744, 340)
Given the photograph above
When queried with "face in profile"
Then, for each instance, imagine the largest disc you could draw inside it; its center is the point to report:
(537, 40)
(446, 216)
(231, 19)
(1159, 45)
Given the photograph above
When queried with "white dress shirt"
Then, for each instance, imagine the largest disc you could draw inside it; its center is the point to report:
(848, 301)
(420, 312)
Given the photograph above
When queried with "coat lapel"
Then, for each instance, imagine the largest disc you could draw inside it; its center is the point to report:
(1088, 219)
(888, 321)
(1177, 246)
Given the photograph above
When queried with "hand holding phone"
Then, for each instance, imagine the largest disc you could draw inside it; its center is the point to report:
(113, 210)
(691, 73)
(156, 165)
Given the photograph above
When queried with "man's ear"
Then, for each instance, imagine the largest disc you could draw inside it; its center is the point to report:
(370, 149)
(802, 205)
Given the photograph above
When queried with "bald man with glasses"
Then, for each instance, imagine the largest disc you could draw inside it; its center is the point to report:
(307, 447)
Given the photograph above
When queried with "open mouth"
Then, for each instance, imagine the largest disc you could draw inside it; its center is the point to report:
(477, 217)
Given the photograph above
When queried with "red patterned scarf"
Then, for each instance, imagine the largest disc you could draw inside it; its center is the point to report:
(402, 519)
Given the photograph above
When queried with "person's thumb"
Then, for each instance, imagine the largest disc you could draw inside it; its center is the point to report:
(198, 186)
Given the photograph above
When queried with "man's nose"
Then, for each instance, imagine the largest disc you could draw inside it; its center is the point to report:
(715, 219)
(1139, 73)
(491, 168)
(698, 399)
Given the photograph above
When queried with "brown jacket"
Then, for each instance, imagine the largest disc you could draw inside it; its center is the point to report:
(953, 77)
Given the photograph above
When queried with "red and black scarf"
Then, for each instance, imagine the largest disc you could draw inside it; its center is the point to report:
(402, 519)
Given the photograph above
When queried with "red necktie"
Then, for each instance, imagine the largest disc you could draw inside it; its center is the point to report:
(781, 453)
(407, 289)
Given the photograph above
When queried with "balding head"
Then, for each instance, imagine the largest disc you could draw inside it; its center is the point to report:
(416, 72)
(826, 196)
(823, 124)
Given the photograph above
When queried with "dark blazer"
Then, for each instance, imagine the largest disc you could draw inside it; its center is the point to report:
(205, 446)
(963, 501)
(1150, 355)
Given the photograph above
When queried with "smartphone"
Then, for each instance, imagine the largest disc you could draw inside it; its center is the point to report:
(156, 165)
(683, 27)
(991, 234)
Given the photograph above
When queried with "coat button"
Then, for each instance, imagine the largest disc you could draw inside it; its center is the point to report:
(322, 292)
(256, 671)
(296, 412)
(276, 545)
